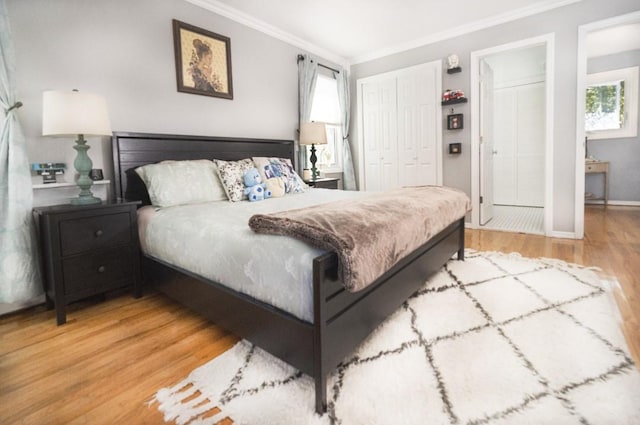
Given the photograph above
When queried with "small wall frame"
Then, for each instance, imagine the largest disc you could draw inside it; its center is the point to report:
(455, 122)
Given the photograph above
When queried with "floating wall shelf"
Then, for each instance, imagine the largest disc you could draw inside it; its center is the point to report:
(455, 101)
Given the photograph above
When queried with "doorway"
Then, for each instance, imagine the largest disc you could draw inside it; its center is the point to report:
(598, 33)
(511, 131)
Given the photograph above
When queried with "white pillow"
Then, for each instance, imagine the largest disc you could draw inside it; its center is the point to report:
(172, 183)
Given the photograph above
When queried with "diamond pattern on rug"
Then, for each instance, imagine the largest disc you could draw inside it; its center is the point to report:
(497, 339)
(505, 298)
(494, 375)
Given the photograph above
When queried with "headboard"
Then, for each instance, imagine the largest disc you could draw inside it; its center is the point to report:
(131, 150)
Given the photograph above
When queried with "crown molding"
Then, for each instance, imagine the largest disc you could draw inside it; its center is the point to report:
(513, 15)
(225, 10)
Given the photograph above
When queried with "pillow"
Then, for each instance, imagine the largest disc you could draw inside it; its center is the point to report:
(231, 175)
(280, 167)
(172, 183)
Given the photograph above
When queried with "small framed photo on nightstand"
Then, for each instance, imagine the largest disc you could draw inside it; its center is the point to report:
(455, 122)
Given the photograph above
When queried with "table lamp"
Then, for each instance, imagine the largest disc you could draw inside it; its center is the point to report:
(313, 133)
(80, 114)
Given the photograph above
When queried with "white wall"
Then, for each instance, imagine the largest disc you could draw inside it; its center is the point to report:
(563, 22)
(123, 50)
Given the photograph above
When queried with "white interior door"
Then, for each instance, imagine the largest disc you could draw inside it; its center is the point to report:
(486, 142)
(417, 126)
(379, 130)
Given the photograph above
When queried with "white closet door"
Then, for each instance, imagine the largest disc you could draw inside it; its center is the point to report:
(417, 131)
(530, 153)
(519, 130)
(380, 133)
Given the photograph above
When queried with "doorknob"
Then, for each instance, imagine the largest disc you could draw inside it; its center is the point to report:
(495, 152)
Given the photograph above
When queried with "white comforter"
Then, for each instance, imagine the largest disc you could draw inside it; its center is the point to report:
(213, 240)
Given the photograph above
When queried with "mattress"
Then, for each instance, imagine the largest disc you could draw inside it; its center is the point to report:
(213, 240)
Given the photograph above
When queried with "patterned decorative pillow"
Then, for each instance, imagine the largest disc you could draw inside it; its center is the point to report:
(172, 183)
(280, 167)
(231, 175)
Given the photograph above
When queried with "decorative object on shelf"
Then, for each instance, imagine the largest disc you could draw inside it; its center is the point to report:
(455, 148)
(455, 122)
(72, 113)
(449, 95)
(454, 64)
(96, 174)
(48, 170)
(203, 61)
(313, 133)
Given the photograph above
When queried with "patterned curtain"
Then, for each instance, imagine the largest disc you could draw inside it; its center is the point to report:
(348, 173)
(19, 272)
(307, 78)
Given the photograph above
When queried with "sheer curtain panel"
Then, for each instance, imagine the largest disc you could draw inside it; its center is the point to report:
(19, 272)
(348, 173)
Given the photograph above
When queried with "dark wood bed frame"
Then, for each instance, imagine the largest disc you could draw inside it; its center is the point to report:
(342, 319)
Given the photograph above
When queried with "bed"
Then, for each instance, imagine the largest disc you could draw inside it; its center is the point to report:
(341, 319)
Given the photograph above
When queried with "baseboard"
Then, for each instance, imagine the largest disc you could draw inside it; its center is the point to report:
(616, 203)
(563, 235)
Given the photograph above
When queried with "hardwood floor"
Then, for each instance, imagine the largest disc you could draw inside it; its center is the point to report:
(611, 242)
(105, 364)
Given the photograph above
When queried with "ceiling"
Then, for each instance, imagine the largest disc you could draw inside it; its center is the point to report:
(353, 31)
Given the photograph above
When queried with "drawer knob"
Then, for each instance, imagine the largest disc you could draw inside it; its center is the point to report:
(101, 269)
(99, 233)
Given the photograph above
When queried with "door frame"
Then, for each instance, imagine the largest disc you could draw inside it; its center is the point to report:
(548, 40)
(437, 64)
(581, 78)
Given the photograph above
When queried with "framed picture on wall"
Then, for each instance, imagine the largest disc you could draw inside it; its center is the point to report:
(454, 122)
(203, 61)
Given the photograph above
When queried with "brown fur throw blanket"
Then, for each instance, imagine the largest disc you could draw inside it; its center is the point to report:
(370, 234)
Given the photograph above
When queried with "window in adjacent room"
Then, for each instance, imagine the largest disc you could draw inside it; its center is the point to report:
(612, 104)
(326, 108)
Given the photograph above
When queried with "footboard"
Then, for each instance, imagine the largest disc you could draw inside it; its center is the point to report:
(343, 319)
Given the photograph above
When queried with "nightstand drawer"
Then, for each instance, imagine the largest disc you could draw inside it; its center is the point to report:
(88, 233)
(324, 183)
(596, 167)
(99, 270)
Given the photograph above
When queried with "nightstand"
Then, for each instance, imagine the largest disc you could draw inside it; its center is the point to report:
(598, 167)
(324, 183)
(87, 250)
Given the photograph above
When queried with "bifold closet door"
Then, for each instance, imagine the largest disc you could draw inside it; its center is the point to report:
(379, 113)
(417, 132)
(400, 128)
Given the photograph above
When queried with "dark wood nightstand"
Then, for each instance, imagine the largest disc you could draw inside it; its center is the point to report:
(324, 183)
(88, 250)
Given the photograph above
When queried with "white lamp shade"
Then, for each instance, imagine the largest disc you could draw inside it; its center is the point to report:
(67, 113)
(313, 133)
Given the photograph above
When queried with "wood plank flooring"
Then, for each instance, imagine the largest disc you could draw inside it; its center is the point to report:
(105, 364)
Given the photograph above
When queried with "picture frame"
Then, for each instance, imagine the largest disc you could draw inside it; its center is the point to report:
(203, 61)
(455, 122)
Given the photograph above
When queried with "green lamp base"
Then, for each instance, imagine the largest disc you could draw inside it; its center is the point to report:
(85, 200)
(83, 165)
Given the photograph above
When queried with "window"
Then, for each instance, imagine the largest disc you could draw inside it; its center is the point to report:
(612, 104)
(326, 108)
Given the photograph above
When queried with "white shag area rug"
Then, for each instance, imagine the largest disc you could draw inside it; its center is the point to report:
(496, 339)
